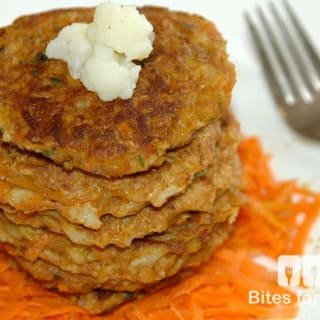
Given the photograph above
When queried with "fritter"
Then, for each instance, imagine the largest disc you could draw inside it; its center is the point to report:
(113, 231)
(143, 271)
(222, 174)
(33, 184)
(121, 231)
(100, 300)
(184, 85)
(145, 261)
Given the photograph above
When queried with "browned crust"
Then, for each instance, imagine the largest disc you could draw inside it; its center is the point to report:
(102, 301)
(183, 85)
(84, 268)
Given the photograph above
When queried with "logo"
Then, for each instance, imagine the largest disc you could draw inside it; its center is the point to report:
(293, 272)
(296, 270)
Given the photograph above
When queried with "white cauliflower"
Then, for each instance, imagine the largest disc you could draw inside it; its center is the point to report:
(100, 54)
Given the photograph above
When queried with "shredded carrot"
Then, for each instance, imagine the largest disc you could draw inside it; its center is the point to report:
(275, 220)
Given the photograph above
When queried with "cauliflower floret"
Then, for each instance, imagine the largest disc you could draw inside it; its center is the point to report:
(72, 46)
(101, 72)
(122, 28)
(100, 54)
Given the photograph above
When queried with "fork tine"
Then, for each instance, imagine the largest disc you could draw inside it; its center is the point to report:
(266, 62)
(302, 113)
(279, 53)
(298, 58)
(313, 53)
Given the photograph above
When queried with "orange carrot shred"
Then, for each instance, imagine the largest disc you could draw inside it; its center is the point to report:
(271, 223)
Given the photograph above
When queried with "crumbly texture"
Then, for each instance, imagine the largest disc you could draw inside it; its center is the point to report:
(184, 84)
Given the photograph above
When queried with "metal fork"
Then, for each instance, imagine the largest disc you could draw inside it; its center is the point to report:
(291, 65)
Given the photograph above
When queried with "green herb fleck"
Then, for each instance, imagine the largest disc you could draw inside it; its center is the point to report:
(48, 153)
(141, 161)
(189, 25)
(87, 250)
(40, 57)
(128, 294)
(56, 81)
(172, 156)
(58, 276)
(198, 175)
(2, 48)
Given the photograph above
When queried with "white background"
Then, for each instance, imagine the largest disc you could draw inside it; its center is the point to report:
(293, 156)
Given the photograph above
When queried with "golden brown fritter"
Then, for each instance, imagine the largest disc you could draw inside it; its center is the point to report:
(184, 85)
(222, 174)
(33, 184)
(121, 231)
(144, 262)
(101, 300)
(147, 262)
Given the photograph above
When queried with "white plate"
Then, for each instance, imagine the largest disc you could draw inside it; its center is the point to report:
(293, 156)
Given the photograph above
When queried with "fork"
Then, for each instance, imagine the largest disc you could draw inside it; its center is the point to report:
(295, 91)
(289, 272)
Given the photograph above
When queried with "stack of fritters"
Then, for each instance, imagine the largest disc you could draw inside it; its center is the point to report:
(102, 200)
